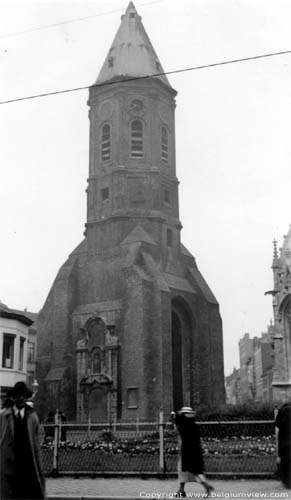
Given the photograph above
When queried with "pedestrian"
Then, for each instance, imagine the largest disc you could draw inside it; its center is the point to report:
(21, 475)
(283, 423)
(190, 464)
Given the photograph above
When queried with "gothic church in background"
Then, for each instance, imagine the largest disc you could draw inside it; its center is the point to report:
(130, 325)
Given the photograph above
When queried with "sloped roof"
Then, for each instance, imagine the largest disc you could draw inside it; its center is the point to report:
(138, 234)
(25, 317)
(131, 53)
(32, 316)
(178, 283)
(200, 281)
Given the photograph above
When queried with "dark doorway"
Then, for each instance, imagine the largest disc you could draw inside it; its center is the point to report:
(98, 405)
(177, 369)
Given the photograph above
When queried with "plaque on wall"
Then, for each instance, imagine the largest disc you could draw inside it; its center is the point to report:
(137, 191)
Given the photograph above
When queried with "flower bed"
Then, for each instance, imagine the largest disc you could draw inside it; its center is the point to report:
(110, 453)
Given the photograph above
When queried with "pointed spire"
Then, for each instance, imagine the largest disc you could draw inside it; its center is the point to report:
(131, 53)
(275, 253)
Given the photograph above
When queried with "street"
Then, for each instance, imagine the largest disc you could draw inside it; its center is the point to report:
(72, 488)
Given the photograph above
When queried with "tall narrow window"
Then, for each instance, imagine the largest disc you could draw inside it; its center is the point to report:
(169, 238)
(165, 145)
(106, 143)
(8, 350)
(31, 352)
(136, 139)
(21, 354)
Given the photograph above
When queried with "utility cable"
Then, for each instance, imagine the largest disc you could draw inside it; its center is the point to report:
(124, 80)
(70, 21)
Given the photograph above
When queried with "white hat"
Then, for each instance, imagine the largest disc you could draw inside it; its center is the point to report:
(186, 409)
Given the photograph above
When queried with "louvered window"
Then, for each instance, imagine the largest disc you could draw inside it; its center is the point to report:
(165, 145)
(106, 143)
(136, 139)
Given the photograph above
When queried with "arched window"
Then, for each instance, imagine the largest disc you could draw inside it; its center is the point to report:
(106, 142)
(164, 145)
(136, 139)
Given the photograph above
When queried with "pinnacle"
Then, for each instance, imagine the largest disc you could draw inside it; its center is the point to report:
(131, 53)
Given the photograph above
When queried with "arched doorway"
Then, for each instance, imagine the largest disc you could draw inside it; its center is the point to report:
(98, 405)
(182, 353)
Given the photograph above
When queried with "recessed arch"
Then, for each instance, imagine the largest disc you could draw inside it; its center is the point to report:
(182, 328)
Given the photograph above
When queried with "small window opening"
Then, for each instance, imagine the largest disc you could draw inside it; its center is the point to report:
(165, 145)
(169, 238)
(105, 194)
(166, 196)
(106, 143)
(21, 354)
(136, 139)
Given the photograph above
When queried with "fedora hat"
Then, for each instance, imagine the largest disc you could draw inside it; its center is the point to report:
(20, 389)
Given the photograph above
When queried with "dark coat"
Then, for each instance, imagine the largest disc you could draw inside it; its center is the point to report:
(7, 453)
(283, 422)
(191, 452)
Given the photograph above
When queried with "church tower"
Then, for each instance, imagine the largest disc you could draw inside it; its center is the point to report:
(130, 325)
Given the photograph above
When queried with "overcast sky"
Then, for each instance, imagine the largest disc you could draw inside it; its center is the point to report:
(232, 132)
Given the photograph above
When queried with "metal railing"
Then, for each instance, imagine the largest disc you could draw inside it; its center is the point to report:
(229, 447)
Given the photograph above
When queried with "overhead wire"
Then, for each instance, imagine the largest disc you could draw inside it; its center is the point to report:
(70, 21)
(154, 75)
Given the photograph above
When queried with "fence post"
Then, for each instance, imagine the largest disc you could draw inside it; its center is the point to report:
(276, 436)
(161, 440)
(89, 426)
(56, 444)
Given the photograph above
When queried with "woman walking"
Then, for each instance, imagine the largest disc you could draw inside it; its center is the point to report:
(190, 465)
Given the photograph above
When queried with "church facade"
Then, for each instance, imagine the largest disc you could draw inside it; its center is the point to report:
(130, 325)
(282, 320)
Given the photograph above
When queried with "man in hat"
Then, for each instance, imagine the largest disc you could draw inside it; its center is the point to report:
(190, 465)
(21, 476)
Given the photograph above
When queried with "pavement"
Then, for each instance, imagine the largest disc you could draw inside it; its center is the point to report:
(133, 488)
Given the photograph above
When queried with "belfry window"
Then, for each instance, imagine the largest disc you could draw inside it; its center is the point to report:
(164, 145)
(106, 142)
(136, 139)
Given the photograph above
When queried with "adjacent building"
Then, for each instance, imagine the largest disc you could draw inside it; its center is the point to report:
(17, 341)
(232, 387)
(253, 381)
(130, 324)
